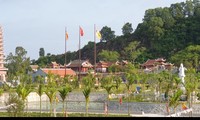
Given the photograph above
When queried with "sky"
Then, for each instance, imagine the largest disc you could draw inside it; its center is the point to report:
(35, 24)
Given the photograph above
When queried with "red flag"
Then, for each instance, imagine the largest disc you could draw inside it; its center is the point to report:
(81, 31)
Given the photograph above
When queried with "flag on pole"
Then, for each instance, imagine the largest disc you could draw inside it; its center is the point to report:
(66, 36)
(81, 31)
(98, 34)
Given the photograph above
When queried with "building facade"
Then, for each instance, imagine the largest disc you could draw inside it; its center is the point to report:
(3, 70)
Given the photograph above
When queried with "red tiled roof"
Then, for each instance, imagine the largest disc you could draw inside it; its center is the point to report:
(103, 64)
(76, 63)
(160, 61)
(149, 62)
(60, 72)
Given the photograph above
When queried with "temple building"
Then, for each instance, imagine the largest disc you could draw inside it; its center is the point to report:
(156, 65)
(3, 70)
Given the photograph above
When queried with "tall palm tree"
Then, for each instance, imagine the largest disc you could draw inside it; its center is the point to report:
(63, 94)
(107, 84)
(19, 105)
(51, 93)
(191, 84)
(23, 91)
(117, 80)
(174, 100)
(144, 77)
(51, 89)
(88, 82)
(86, 93)
(74, 82)
(130, 77)
(40, 90)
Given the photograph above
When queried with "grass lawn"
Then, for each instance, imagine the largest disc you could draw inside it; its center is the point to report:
(35, 114)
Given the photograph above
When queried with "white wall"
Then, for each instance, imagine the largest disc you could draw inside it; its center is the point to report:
(33, 96)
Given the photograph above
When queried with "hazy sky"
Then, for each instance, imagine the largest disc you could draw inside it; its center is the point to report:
(35, 24)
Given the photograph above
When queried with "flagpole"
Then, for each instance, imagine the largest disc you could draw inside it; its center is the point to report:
(65, 50)
(79, 56)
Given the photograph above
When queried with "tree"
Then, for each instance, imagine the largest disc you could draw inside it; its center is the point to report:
(63, 94)
(106, 55)
(129, 82)
(88, 83)
(74, 82)
(107, 84)
(40, 90)
(42, 61)
(177, 10)
(23, 91)
(118, 81)
(107, 34)
(174, 100)
(51, 93)
(18, 64)
(144, 78)
(191, 84)
(114, 68)
(127, 29)
(18, 107)
(131, 75)
(41, 52)
(51, 89)
(86, 93)
(132, 51)
(190, 53)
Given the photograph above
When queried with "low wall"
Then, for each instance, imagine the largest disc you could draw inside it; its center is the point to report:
(33, 96)
(76, 102)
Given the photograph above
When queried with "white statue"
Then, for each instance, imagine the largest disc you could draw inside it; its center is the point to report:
(182, 75)
(182, 72)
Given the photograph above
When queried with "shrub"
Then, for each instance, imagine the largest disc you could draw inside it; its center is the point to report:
(17, 108)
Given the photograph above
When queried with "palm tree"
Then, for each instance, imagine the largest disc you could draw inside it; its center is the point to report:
(118, 81)
(19, 105)
(176, 82)
(75, 82)
(144, 77)
(88, 82)
(23, 92)
(130, 77)
(51, 93)
(63, 94)
(86, 93)
(40, 91)
(191, 84)
(107, 84)
(51, 89)
(174, 100)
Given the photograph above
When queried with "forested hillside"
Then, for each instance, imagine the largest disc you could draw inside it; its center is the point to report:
(171, 32)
